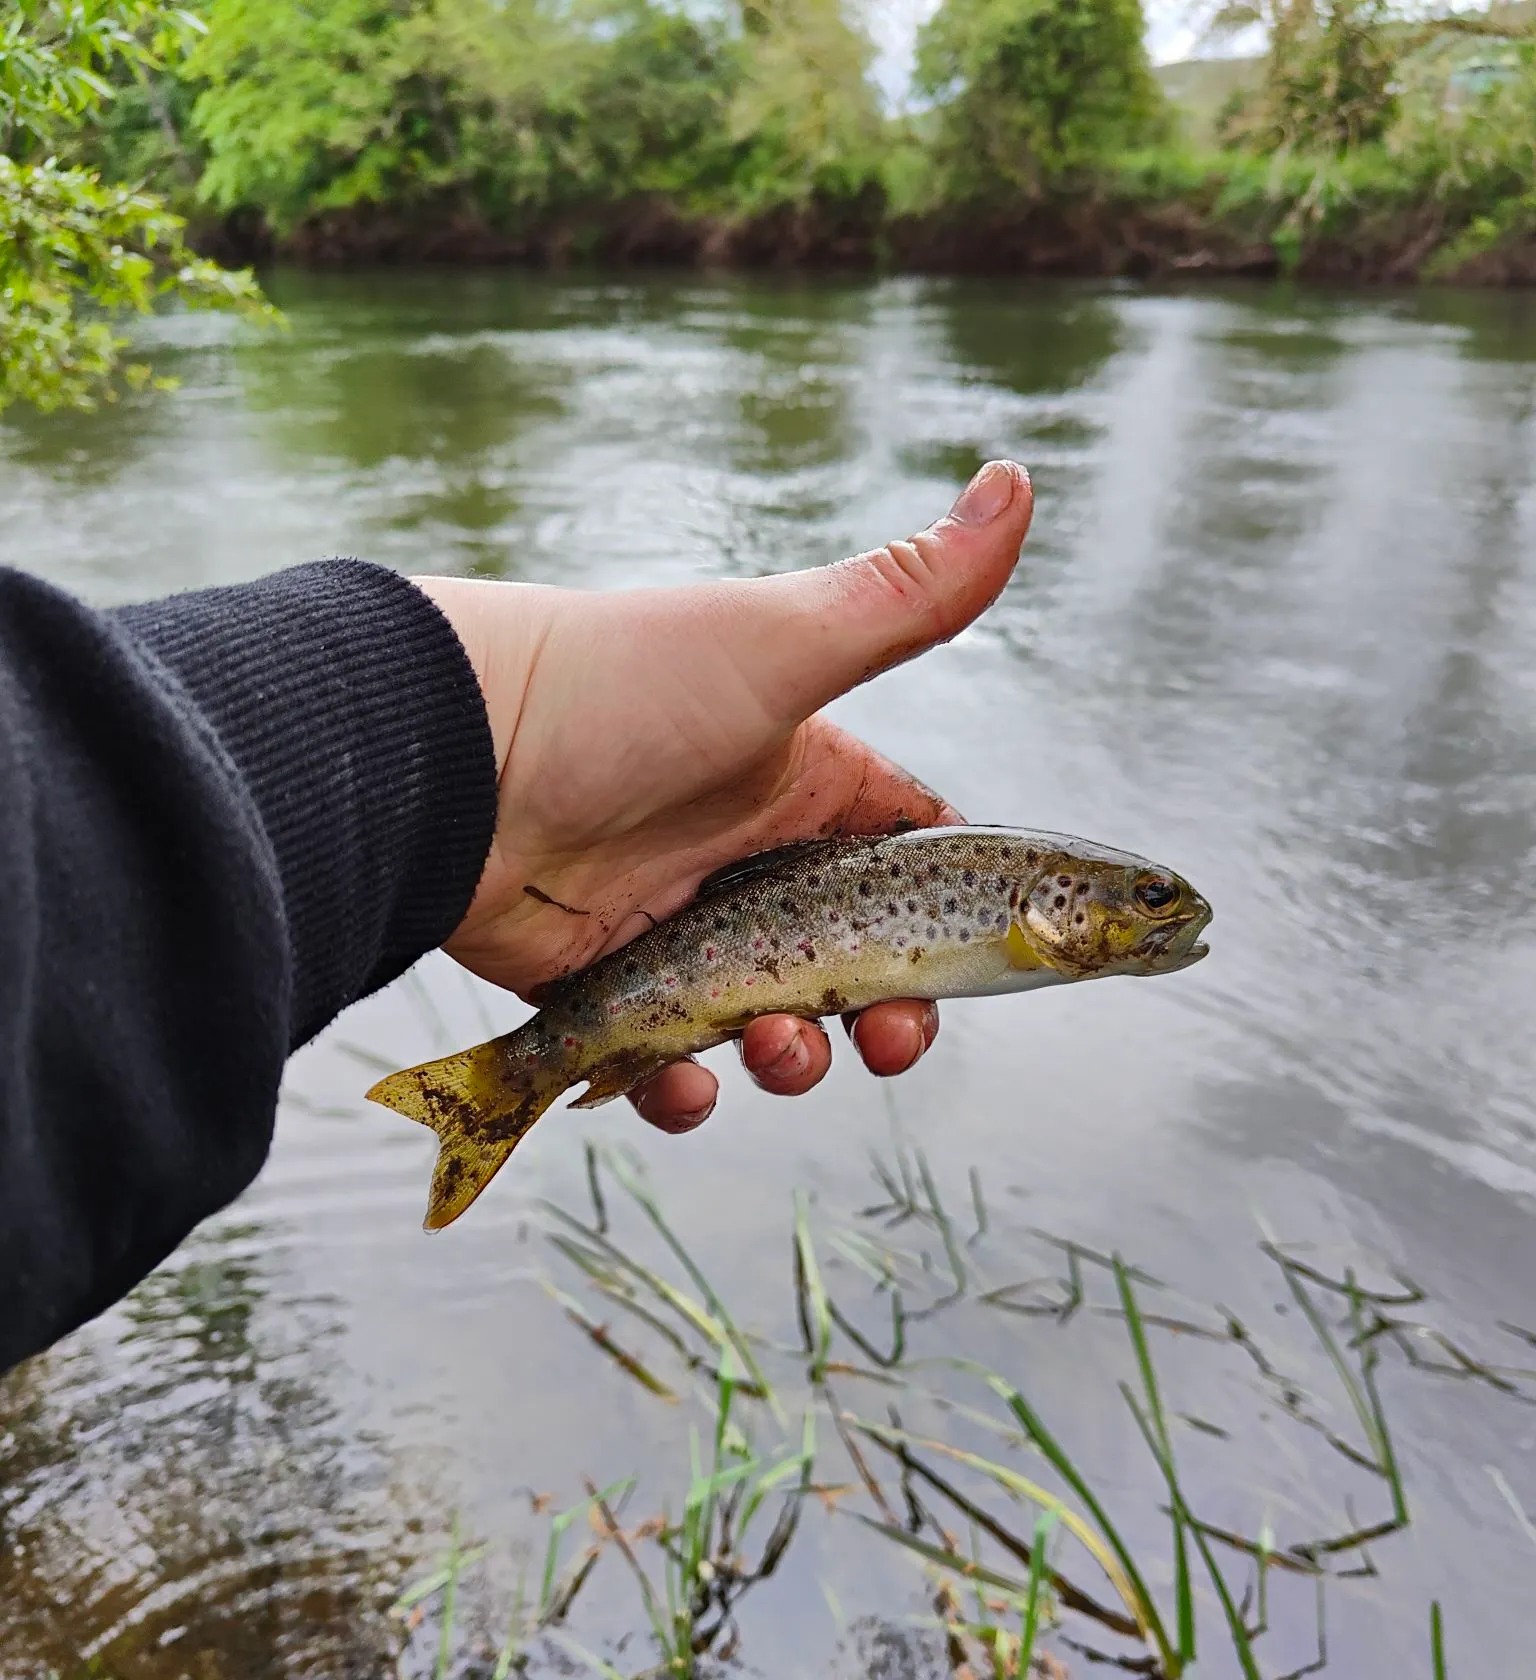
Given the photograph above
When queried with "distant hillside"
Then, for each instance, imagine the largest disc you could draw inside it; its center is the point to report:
(1199, 87)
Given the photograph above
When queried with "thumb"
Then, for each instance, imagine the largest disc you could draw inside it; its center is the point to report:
(803, 638)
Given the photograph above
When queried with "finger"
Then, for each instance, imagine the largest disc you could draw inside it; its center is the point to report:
(801, 639)
(784, 1054)
(892, 1037)
(678, 1098)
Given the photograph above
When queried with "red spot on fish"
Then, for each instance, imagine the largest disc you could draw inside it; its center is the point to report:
(671, 980)
(714, 991)
(709, 953)
(807, 947)
(757, 944)
(613, 1008)
(569, 1042)
(748, 981)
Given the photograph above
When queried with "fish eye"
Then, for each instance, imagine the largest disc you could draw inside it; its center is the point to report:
(1156, 893)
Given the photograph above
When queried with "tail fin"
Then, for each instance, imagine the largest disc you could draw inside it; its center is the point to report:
(481, 1103)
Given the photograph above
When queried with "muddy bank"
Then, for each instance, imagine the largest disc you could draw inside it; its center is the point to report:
(1093, 239)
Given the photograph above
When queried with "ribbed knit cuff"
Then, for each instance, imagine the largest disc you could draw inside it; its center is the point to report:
(348, 706)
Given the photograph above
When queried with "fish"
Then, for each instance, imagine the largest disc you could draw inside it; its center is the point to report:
(815, 928)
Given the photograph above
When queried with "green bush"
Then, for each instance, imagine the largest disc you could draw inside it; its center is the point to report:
(1034, 95)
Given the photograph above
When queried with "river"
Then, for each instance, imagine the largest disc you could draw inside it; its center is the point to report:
(1275, 626)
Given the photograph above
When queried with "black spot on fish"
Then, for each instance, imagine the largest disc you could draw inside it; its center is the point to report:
(1061, 901)
(1031, 858)
(895, 871)
(965, 936)
(631, 967)
(1082, 886)
(911, 906)
(968, 879)
(865, 889)
(721, 924)
(1079, 918)
(1002, 883)
(1063, 880)
(933, 932)
(951, 905)
(813, 880)
(833, 1002)
(1002, 924)
(892, 908)
(787, 905)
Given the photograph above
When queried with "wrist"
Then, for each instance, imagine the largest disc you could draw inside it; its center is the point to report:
(502, 627)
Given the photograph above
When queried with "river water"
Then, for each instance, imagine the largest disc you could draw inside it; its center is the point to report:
(1275, 626)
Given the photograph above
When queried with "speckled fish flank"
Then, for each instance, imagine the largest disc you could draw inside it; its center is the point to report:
(809, 930)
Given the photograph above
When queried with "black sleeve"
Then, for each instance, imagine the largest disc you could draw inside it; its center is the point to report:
(223, 817)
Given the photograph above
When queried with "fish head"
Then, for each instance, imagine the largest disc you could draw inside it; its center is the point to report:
(1100, 912)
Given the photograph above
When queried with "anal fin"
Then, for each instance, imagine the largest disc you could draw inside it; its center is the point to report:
(619, 1075)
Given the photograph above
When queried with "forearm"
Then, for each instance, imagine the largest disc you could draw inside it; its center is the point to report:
(223, 818)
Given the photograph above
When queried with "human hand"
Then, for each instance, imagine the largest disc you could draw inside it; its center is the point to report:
(644, 738)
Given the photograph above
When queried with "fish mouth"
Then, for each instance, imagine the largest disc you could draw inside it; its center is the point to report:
(1168, 949)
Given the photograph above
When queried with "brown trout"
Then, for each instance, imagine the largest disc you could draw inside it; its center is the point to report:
(811, 929)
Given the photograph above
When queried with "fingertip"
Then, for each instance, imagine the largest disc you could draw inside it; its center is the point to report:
(678, 1099)
(785, 1055)
(892, 1037)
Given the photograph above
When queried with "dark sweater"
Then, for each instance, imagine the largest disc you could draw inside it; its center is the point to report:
(223, 818)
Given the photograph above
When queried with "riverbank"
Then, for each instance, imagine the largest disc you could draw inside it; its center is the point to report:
(1108, 234)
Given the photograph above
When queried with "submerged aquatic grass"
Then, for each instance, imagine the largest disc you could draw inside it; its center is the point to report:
(1027, 1556)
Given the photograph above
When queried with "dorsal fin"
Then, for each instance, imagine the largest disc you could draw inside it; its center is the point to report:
(760, 863)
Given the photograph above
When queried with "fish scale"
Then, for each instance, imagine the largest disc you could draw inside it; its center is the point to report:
(813, 929)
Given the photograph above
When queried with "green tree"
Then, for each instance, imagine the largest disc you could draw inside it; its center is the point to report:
(520, 110)
(1330, 74)
(805, 117)
(1033, 95)
(308, 108)
(75, 252)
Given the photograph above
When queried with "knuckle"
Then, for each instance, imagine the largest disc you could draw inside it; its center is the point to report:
(905, 569)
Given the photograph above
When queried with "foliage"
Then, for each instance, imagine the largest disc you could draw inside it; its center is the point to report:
(74, 250)
(66, 237)
(313, 107)
(56, 58)
(804, 114)
(1329, 75)
(1480, 170)
(524, 109)
(1034, 94)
